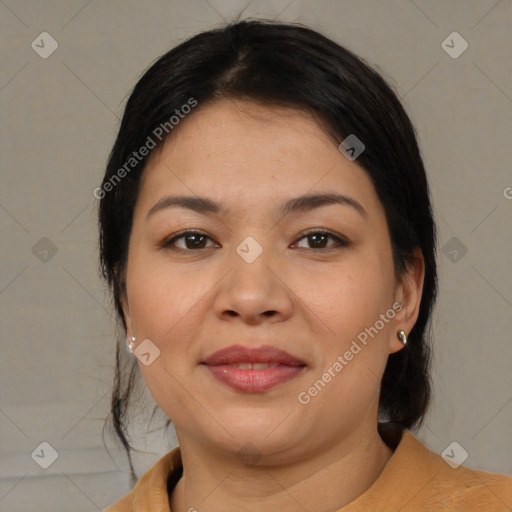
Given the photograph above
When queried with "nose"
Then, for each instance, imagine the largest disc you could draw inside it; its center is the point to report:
(254, 292)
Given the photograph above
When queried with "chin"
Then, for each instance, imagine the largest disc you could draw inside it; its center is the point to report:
(267, 433)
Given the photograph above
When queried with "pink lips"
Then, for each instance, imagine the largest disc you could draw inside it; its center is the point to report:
(282, 367)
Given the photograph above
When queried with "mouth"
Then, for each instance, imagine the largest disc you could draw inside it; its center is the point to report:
(253, 366)
(253, 370)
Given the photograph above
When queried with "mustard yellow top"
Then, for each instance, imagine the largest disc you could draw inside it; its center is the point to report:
(415, 479)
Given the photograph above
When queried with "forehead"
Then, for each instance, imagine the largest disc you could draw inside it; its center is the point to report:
(235, 149)
(230, 128)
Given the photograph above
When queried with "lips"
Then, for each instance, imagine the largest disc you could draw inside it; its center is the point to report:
(253, 369)
(237, 354)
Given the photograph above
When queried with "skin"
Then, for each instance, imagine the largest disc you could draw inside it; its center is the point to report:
(308, 297)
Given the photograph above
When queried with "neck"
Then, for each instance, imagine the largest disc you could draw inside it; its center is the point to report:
(322, 481)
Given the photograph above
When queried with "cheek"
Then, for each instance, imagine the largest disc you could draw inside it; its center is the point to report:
(162, 294)
(165, 304)
(350, 301)
(350, 296)
(167, 298)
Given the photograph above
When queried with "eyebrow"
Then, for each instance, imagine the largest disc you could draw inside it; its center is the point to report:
(299, 204)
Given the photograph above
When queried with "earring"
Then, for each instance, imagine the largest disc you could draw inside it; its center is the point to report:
(402, 336)
(129, 342)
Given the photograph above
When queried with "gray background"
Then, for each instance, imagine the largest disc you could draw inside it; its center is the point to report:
(60, 116)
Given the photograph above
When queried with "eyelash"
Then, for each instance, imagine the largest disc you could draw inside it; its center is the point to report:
(341, 241)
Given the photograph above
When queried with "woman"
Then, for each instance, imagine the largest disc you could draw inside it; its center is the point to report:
(267, 233)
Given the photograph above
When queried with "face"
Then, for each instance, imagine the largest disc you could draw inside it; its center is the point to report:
(310, 281)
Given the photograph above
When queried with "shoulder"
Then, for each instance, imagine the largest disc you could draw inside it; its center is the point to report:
(452, 486)
(150, 492)
(416, 478)
(125, 504)
(471, 489)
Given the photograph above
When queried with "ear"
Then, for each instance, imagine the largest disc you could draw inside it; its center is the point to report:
(123, 299)
(408, 293)
(126, 314)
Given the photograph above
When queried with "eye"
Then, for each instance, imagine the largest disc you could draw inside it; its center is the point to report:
(318, 237)
(196, 240)
(192, 240)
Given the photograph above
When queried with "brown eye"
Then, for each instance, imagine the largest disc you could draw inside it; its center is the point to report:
(318, 239)
(195, 240)
(192, 240)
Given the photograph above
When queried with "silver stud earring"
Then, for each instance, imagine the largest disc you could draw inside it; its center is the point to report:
(402, 336)
(129, 342)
